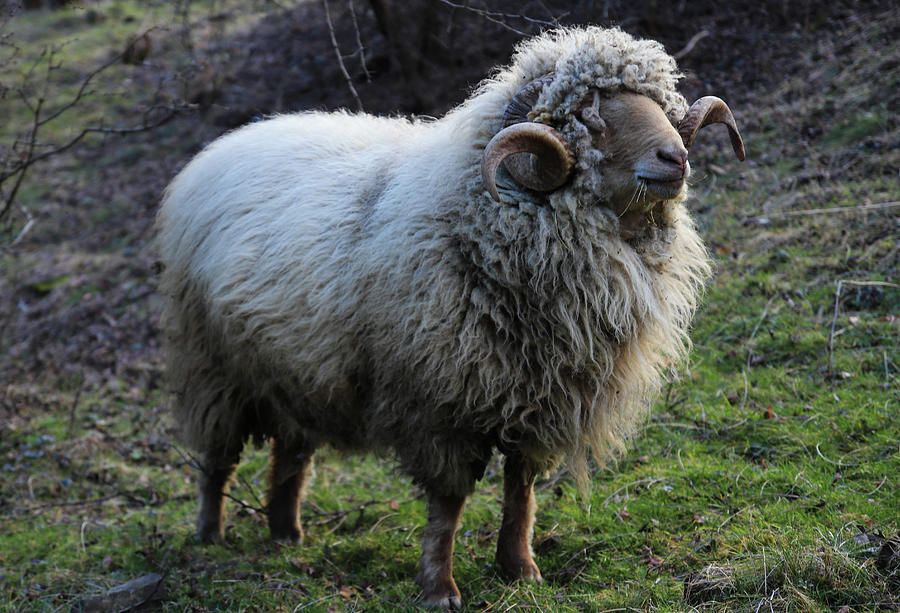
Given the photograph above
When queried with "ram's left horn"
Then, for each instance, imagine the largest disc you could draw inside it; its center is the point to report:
(705, 111)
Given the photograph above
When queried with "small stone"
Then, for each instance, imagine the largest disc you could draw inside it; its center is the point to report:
(125, 596)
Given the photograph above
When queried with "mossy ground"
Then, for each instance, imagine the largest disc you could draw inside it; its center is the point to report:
(765, 480)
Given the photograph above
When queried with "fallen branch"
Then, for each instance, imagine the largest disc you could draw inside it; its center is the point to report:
(839, 209)
(331, 516)
(194, 463)
(130, 496)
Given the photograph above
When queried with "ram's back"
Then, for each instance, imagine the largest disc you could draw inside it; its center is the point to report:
(265, 238)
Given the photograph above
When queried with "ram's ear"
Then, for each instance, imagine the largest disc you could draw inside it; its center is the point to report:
(536, 155)
(706, 111)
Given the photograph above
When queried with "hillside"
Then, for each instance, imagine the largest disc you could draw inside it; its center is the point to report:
(766, 478)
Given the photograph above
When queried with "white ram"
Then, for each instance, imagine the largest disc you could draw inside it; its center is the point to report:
(513, 276)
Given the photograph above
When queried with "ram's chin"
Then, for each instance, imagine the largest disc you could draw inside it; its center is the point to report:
(662, 190)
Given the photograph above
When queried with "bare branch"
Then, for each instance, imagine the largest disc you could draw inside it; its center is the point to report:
(82, 90)
(498, 17)
(27, 160)
(359, 46)
(28, 150)
(340, 59)
(171, 112)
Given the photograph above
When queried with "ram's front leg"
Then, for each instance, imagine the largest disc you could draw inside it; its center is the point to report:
(216, 469)
(514, 541)
(436, 564)
(291, 466)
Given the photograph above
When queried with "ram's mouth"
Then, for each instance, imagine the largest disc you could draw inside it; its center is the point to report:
(662, 188)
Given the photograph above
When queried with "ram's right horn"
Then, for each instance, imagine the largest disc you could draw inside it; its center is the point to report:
(547, 167)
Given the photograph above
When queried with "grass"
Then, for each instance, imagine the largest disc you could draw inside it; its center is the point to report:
(766, 479)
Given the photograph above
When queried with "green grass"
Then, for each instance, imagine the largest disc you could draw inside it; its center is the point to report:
(762, 461)
(762, 482)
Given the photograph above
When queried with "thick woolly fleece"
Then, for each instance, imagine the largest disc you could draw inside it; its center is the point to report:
(346, 280)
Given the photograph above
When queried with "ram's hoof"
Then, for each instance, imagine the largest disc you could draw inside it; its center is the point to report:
(210, 531)
(445, 595)
(209, 536)
(286, 533)
(520, 568)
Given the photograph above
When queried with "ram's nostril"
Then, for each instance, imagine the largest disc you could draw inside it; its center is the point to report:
(676, 155)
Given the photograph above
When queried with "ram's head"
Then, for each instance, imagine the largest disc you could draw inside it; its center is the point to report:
(644, 158)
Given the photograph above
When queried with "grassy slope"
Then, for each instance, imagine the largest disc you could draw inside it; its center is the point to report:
(762, 482)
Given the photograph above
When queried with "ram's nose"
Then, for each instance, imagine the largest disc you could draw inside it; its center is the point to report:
(673, 154)
(663, 171)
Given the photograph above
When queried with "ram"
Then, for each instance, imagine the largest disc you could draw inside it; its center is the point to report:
(514, 276)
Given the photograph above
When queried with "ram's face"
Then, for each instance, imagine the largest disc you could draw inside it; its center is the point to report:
(639, 158)
(645, 159)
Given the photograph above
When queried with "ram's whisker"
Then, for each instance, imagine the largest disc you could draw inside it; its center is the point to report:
(632, 199)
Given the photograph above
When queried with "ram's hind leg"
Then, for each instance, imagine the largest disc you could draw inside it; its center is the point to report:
(514, 541)
(290, 467)
(216, 468)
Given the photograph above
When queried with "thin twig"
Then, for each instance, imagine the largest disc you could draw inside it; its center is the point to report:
(498, 17)
(837, 306)
(756, 329)
(884, 480)
(74, 406)
(728, 519)
(29, 222)
(839, 209)
(870, 283)
(837, 303)
(359, 46)
(32, 140)
(300, 607)
(691, 43)
(18, 169)
(253, 493)
(649, 480)
(838, 463)
(172, 111)
(76, 503)
(194, 463)
(330, 516)
(340, 59)
(245, 505)
(746, 389)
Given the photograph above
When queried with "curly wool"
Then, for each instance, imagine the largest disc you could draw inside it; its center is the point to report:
(363, 290)
(606, 60)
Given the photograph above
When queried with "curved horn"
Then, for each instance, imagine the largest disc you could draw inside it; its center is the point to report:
(705, 111)
(518, 108)
(548, 166)
(550, 161)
